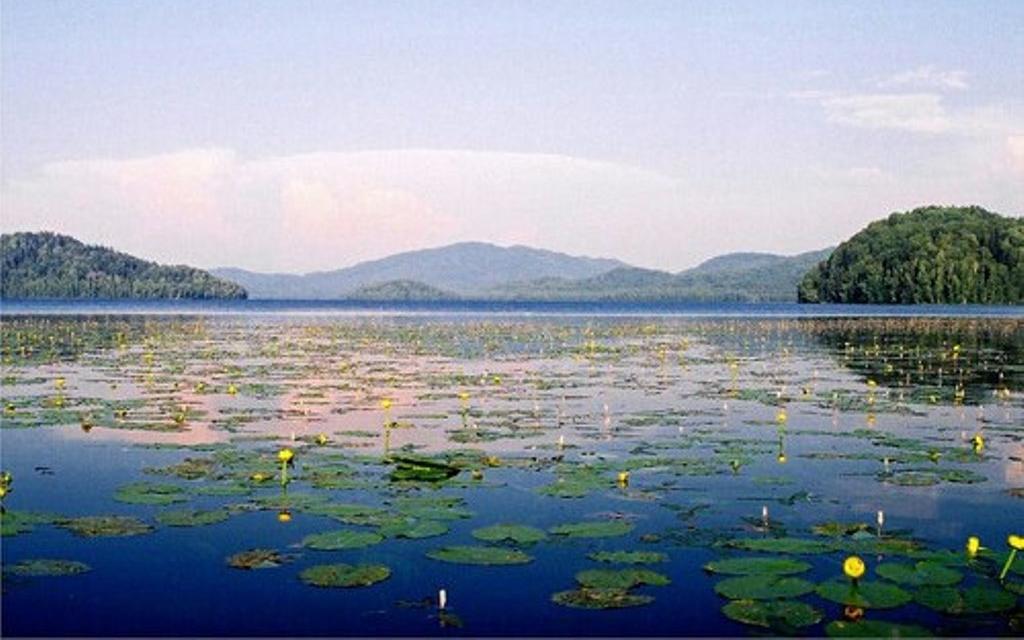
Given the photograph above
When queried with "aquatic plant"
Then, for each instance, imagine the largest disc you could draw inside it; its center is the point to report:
(344, 575)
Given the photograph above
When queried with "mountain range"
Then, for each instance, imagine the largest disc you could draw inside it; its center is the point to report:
(477, 270)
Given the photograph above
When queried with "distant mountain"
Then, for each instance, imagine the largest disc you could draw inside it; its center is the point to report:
(741, 277)
(464, 269)
(951, 255)
(401, 290)
(48, 265)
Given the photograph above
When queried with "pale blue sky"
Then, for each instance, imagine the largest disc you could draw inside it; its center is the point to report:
(309, 135)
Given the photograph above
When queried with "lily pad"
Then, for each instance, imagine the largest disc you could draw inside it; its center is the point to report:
(920, 574)
(973, 600)
(781, 614)
(874, 629)
(799, 546)
(192, 518)
(13, 522)
(39, 567)
(412, 528)
(871, 595)
(629, 557)
(600, 599)
(620, 578)
(257, 559)
(757, 566)
(342, 539)
(345, 575)
(763, 587)
(105, 526)
(479, 555)
(150, 493)
(515, 533)
(596, 529)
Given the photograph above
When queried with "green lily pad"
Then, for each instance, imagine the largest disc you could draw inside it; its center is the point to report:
(39, 567)
(479, 555)
(192, 518)
(781, 614)
(920, 574)
(620, 578)
(870, 595)
(874, 629)
(600, 599)
(345, 575)
(757, 566)
(596, 529)
(13, 523)
(150, 493)
(798, 546)
(412, 528)
(628, 557)
(105, 526)
(763, 587)
(515, 533)
(973, 600)
(257, 559)
(342, 539)
(839, 529)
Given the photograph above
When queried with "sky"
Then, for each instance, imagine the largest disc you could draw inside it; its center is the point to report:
(297, 135)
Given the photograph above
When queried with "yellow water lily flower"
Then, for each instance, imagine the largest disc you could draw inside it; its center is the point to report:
(321, 439)
(284, 516)
(260, 477)
(623, 478)
(853, 567)
(1016, 542)
(973, 546)
(285, 455)
(978, 442)
(781, 417)
(385, 404)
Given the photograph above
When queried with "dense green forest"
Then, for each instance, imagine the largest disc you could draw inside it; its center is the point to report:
(48, 265)
(928, 255)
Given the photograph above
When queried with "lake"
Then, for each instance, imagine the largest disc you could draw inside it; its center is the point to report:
(307, 468)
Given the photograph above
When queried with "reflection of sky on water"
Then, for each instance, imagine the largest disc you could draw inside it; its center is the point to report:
(671, 384)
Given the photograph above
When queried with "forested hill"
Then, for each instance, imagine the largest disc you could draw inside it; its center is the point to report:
(48, 265)
(929, 255)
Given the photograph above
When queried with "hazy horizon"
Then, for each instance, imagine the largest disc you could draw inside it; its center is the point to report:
(309, 136)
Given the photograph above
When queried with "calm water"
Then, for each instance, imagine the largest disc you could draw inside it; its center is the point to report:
(715, 412)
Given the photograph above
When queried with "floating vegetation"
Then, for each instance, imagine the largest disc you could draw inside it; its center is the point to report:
(345, 575)
(514, 533)
(874, 629)
(763, 586)
(978, 599)
(13, 523)
(620, 578)
(797, 546)
(757, 566)
(149, 493)
(46, 567)
(342, 539)
(868, 595)
(596, 529)
(628, 557)
(600, 599)
(921, 574)
(479, 555)
(105, 526)
(192, 517)
(780, 615)
(257, 559)
(412, 528)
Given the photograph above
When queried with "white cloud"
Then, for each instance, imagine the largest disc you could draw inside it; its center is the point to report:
(916, 112)
(927, 77)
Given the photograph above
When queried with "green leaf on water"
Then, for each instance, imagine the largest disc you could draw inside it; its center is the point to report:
(620, 578)
(345, 575)
(342, 539)
(628, 557)
(874, 629)
(257, 559)
(870, 595)
(920, 574)
(40, 567)
(594, 529)
(412, 528)
(763, 587)
(756, 566)
(105, 526)
(515, 533)
(799, 546)
(600, 599)
(780, 614)
(150, 493)
(972, 600)
(479, 555)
